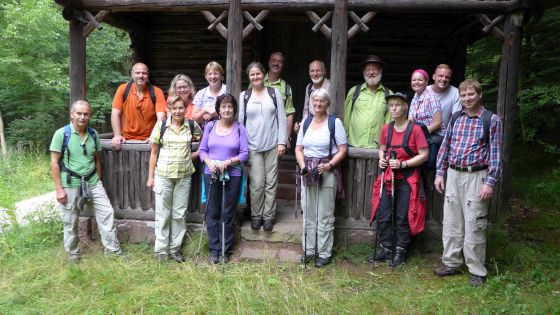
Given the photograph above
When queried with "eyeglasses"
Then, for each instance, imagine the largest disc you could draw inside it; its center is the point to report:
(183, 87)
(84, 151)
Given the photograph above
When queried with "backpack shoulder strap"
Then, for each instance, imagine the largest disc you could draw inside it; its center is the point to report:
(306, 123)
(357, 89)
(390, 134)
(191, 126)
(162, 131)
(454, 118)
(332, 131)
(406, 138)
(246, 98)
(272, 94)
(152, 92)
(127, 91)
(94, 137)
(308, 89)
(65, 140)
(486, 120)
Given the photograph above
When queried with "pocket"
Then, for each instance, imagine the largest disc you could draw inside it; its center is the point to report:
(479, 211)
(158, 186)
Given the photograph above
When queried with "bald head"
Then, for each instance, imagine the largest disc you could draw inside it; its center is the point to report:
(317, 71)
(139, 74)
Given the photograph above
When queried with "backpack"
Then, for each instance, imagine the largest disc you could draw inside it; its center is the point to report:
(357, 91)
(432, 147)
(150, 90)
(247, 96)
(331, 123)
(486, 120)
(65, 140)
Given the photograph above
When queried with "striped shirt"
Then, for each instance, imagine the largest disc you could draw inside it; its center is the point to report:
(175, 150)
(423, 108)
(464, 145)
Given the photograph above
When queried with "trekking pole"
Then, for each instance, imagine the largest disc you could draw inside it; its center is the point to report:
(393, 210)
(222, 215)
(317, 221)
(377, 212)
(204, 218)
(304, 224)
(295, 202)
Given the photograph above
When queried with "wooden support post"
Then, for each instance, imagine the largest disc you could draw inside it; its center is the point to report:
(77, 62)
(338, 56)
(507, 99)
(234, 48)
(99, 17)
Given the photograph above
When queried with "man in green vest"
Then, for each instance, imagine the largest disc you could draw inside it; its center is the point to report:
(365, 108)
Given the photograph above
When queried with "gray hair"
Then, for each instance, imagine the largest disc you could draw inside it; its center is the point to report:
(321, 93)
(79, 102)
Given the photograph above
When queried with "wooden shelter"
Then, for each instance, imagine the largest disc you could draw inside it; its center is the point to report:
(181, 36)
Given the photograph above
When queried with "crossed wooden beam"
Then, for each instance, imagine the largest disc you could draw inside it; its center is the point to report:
(216, 22)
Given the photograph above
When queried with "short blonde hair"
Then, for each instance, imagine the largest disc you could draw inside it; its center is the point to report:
(214, 65)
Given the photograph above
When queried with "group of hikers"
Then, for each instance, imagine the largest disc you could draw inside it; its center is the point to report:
(252, 131)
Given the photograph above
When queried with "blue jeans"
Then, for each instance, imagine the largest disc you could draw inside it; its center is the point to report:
(215, 215)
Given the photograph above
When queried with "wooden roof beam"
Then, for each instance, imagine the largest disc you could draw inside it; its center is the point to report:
(471, 6)
(94, 21)
(254, 22)
(491, 25)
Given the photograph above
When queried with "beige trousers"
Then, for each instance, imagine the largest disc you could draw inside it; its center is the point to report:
(465, 218)
(104, 215)
(263, 175)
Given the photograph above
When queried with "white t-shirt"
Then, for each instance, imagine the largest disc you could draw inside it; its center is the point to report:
(316, 142)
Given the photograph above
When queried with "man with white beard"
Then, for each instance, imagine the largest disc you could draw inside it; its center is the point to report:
(318, 76)
(365, 108)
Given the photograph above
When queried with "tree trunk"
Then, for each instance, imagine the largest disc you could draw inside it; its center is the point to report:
(3, 138)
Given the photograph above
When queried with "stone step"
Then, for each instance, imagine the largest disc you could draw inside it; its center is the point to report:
(287, 228)
(286, 192)
(255, 250)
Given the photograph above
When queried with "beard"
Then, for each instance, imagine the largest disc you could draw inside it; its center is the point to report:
(373, 81)
(319, 80)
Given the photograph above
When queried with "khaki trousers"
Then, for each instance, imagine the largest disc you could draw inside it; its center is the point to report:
(263, 175)
(321, 201)
(465, 218)
(172, 202)
(104, 216)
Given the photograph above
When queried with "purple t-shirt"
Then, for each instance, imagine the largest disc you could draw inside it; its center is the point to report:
(222, 148)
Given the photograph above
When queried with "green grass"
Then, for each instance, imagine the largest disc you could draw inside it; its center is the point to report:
(523, 261)
(24, 174)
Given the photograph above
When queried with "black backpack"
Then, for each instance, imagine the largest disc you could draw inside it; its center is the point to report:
(65, 140)
(432, 147)
(150, 90)
(271, 92)
(331, 123)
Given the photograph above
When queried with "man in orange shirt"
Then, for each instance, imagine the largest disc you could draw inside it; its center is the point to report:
(134, 115)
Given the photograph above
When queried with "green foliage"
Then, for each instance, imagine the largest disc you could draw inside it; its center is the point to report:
(539, 79)
(34, 62)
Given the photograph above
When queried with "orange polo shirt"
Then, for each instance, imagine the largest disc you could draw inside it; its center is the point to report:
(138, 114)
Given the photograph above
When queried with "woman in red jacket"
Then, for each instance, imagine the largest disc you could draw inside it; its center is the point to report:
(401, 203)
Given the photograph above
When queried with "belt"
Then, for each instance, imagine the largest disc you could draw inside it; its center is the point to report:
(469, 169)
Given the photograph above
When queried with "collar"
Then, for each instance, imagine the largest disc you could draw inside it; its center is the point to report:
(266, 79)
(365, 87)
(477, 114)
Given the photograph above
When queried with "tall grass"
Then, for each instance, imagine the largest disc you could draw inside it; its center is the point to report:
(24, 174)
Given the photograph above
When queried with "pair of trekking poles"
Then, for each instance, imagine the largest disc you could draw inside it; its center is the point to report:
(204, 222)
(314, 173)
(393, 156)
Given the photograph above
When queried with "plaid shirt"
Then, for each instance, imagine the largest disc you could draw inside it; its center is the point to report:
(464, 145)
(175, 150)
(423, 108)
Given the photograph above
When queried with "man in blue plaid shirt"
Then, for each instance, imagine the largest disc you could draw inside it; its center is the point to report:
(471, 159)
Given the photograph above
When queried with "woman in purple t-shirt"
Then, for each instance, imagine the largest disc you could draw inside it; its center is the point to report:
(223, 149)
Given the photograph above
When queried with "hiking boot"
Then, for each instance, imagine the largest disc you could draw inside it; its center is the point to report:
(73, 259)
(161, 257)
(213, 259)
(399, 259)
(476, 281)
(321, 262)
(444, 271)
(268, 225)
(382, 254)
(177, 257)
(305, 259)
(256, 223)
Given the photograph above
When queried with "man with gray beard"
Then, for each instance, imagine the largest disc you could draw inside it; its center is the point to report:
(365, 108)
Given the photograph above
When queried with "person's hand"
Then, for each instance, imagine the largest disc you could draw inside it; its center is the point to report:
(61, 196)
(438, 183)
(117, 142)
(207, 115)
(224, 165)
(281, 149)
(211, 165)
(486, 192)
(323, 167)
(395, 164)
(383, 163)
(150, 183)
(296, 127)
